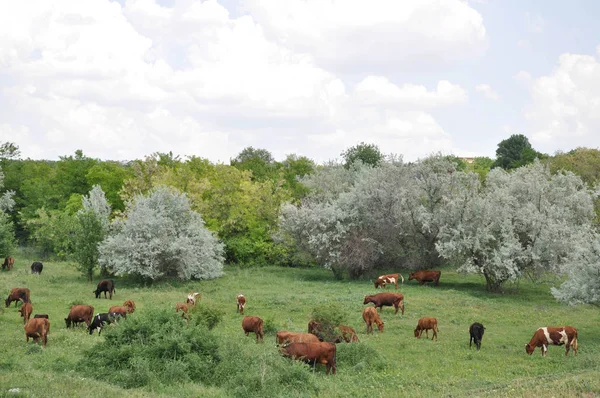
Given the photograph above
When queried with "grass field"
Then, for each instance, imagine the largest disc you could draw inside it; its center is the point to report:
(284, 298)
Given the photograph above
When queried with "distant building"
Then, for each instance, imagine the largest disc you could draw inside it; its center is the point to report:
(467, 160)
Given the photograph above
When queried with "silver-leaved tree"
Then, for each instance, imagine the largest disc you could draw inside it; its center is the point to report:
(161, 237)
(7, 235)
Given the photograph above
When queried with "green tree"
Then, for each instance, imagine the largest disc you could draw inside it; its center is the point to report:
(71, 176)
(514, 152)
(482, 166)
(585, 162)
(259, 161)
(110, 176)
(294, 168)
(92, 228)
(9, 150)
(367, 153)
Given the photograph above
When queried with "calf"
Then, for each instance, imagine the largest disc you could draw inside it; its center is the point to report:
(553, 336)
(37, 328)
(102, 319)
(253, 324)
(313, 353)
(349, 335)
(384, 280)
(106, 285)
(193, 297)
(370, 316)
(241, 303)
(426, 324)
(285, 337)
(476, 331)
(18, 294)
(120, 309)
(8, 263)
(130, 304)
(183, 307)
(36, 267)
(78, 314)
(26, 310)
(388, 299)
(426, 276)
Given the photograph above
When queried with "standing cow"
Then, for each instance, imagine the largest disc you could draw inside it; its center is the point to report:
(37, 267)
(426, 324)
(552, 335)
(476, 331)
(388, 299)
(106, 285)
(8, 263)
(18, 294)
(426, 276)
(370, 316)
(253, 324)
(78, 314)
(37, 328)
(390, 279)
(26, 310)
(241, 303)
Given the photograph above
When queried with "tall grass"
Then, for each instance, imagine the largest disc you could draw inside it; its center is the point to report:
(223, 362)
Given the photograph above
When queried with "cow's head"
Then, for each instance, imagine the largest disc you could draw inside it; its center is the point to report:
(529, 348)
(68, 322)
(411, 276)
(367, 299)
(416, 332)
(380, 326)
(7, 301)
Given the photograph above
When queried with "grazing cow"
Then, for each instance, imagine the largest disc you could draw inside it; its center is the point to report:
(543, 337)
(37, 328)
(102, 319)
(41, 316)
(388, 299)
(106, 285)
(426, 324)
(476, 331)
(131, 305)
(384, 280)
(18, 294)
(370, 316)
(348, 334)
(192, 297)
(8, 263)
(184, 308)
(78, 314)
(120, 309)
(253, 324)
(26, 310)
(312, 353)
(285, 337)
(241, 303)
(426, 276)
(36, 267)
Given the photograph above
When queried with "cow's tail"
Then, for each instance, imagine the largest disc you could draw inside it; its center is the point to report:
(401, 277)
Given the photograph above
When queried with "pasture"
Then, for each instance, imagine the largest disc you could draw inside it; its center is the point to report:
(391, 364)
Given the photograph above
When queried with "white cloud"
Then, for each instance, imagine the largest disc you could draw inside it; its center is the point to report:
(378, 36)
(121, 82)
(563, 112)
(487, 91)
(523, 77)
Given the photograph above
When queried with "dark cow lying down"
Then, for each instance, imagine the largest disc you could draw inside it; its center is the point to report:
(102, 319)
(312, 353)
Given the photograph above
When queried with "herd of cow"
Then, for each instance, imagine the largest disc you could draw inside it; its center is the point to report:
(316, 346)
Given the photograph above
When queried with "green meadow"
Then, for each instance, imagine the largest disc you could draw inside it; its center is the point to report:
(390, 364)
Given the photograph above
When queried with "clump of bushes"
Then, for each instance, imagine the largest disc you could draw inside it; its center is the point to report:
(329, 316)
(153, 347)
(206, 314)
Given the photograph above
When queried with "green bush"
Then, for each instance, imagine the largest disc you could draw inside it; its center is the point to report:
(153, 347)
(205, 314)
(359, 357)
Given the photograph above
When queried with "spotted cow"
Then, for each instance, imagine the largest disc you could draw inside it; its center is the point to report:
(391, 279)
(241, 303)
(543, 337)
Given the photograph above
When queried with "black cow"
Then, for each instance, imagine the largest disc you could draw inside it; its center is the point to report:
(101, 319)
(106, 285)
(36, 267)
(41, 316)
(476, 331)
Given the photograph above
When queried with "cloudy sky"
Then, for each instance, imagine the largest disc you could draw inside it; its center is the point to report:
(124, 79)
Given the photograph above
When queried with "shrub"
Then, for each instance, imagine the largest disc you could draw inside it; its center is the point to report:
(206, 314)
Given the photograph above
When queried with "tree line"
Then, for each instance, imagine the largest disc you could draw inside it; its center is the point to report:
(523, 214)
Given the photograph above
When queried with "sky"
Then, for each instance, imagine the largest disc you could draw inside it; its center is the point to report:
(121, 80)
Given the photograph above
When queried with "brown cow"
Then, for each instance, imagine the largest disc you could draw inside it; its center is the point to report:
(121, 310)
(26, 310)
(131, 305)
(106, 285)
(253, 324)
(8, 263)
(552, 335)
(184, 308)
(78, 314)
(426, 276)
(18, 294)
(41, 316)
(388, 299)
(370, 316)
(312, 353)
(426, 324)
(348, 334)
(389, 279)
(285, 337)
(37, 328)
(192, 297)
(241, 303)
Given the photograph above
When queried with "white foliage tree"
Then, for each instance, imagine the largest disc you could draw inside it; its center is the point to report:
(160, 237)
(7, 235)
(521, 223)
